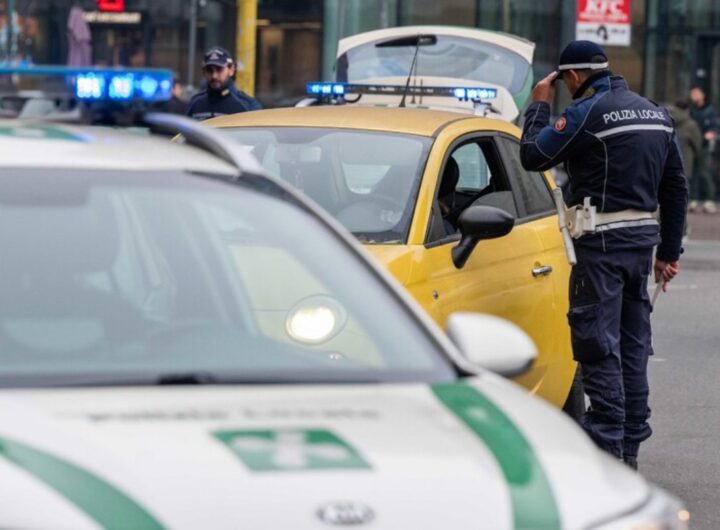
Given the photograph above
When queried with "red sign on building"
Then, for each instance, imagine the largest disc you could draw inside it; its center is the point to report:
(604, 21)
(111, 5)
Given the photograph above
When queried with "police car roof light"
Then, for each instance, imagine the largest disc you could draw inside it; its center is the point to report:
(461, 93)
(89, 86)
(148, 86)
(114, 84)
(474, 94)
(325, 89)
(121, 87)
(137, 85)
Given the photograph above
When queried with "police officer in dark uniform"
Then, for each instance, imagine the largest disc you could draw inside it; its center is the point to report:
(623, 161)
(221, 96)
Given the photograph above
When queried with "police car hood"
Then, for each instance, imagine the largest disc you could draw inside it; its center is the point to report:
(500, 105)
(476, 454)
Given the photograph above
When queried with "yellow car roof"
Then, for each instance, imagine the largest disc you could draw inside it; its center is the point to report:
(390, 119)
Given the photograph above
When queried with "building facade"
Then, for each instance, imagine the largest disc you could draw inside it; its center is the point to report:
(122, 32)
(675, 44)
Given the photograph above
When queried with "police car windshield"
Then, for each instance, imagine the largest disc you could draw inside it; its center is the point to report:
(126, 277)
(450, 57)
(367, 179)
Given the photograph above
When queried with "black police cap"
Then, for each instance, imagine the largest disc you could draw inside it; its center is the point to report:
(217, 56)
(579, 55)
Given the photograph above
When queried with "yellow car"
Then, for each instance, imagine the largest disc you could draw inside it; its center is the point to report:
(400, 178)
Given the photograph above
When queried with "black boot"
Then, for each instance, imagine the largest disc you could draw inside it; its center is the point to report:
(631, 462)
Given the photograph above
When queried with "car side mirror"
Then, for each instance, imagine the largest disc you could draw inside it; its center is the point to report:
(492, 342)
(476, 223)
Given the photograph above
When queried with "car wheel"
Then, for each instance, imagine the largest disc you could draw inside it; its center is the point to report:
(575, 404)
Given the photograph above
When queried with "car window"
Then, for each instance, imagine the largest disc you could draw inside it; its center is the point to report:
(368, 180)
(531, 186)
(135, 274)
(473, 174)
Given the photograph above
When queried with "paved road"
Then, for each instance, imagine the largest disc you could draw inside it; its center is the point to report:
(704, 226)
(683, 455)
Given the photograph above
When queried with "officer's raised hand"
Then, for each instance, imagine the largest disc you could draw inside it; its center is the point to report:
(545, 89)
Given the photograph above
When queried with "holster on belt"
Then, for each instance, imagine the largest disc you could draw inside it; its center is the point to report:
(581, 219)
(584, 219)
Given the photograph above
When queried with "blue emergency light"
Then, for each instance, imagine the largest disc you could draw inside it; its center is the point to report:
(339, 90)
(135, 85)
(121, 86)
(465, 94)
(326, 89)
(107, 84)
(89, 86)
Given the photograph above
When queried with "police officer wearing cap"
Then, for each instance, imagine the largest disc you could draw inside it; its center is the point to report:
(623, 161)
(221, 96)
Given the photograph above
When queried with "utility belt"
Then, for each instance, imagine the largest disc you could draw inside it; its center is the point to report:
(584, 219)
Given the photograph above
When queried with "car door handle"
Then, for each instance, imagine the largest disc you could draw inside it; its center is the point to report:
(542, 271)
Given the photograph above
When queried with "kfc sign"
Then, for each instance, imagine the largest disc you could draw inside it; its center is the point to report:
(606, 22)
(117, 6)
(604, 11)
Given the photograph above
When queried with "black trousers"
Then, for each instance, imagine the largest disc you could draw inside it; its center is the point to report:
(611, 337)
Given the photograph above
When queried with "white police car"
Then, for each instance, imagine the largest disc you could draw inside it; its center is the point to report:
(185, 343)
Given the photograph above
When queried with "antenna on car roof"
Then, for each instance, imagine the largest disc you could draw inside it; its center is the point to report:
(413, 40)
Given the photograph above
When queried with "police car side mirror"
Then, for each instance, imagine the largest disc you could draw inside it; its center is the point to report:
(492, 343)
(477, 223)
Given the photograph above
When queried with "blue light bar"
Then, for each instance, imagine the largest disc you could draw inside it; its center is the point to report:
(113, 84)
(137, 85)
(338, 90)
(325, 89)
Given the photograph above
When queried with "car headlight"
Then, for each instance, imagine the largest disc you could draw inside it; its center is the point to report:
(315, 320)
(661, 511)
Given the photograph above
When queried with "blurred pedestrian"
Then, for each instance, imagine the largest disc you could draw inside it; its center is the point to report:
(702, 182)
(221, 95)
(622, 158)
(688, 134)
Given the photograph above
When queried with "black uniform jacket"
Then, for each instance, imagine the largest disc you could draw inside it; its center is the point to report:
(210, 103)
(620, 150)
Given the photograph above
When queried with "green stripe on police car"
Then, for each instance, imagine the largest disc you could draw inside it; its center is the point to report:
(100, 500)
(532, 499)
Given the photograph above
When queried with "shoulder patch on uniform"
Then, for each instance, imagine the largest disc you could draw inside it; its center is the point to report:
(560, 123)
(590, 92)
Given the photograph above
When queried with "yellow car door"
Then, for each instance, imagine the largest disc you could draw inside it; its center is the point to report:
(532, 190)
(510, 276)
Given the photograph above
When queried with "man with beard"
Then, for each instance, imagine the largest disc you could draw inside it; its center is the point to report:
(221, 95)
